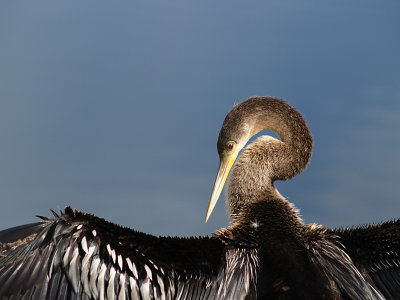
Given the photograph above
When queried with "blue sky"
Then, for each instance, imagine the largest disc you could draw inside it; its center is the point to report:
(115, 107)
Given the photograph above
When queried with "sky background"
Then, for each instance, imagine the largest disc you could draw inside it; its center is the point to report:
(114, 107)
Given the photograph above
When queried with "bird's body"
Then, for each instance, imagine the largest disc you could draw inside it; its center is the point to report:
(266, 253)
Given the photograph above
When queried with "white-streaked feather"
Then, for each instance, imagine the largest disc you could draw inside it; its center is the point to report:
(74, 269)
(161, 284)
(94, 271)
(120, 261)
(148, 271)
(111, 285)
(85, 268)
(84, 244)
(66, 255)
(145, 289)
(133, 268)
(100, 281)
(122, 287)
(135, 293)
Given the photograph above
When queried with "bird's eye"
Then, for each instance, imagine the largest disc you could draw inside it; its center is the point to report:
(230, 146)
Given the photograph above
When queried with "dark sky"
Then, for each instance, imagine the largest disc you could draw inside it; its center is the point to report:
(114, 107)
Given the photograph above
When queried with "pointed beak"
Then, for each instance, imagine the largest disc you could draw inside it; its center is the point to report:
(225, 165)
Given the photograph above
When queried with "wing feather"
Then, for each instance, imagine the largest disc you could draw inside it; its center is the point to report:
(375, 249)
(79, 256)
(339, 267)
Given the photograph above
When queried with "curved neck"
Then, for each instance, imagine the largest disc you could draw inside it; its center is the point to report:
(268, 159)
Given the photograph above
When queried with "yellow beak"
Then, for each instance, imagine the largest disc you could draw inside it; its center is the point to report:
(225, 166)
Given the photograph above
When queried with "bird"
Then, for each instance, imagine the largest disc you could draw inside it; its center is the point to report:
(267, 251)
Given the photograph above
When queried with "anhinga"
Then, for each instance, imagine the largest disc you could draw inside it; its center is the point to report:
(266, 253)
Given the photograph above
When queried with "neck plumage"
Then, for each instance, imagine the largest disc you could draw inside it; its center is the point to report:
(268, 159)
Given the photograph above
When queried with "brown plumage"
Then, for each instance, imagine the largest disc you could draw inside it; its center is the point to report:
(266, 159)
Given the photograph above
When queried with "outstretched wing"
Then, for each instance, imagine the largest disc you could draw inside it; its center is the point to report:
(79, 256)
(19, 232)
(375, 250)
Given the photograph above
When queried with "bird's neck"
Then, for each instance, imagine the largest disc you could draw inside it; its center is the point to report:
(268, 159)
(289, 156)
(255, 206)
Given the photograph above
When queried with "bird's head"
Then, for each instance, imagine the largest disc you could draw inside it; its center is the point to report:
(285, 158)
(235, 133)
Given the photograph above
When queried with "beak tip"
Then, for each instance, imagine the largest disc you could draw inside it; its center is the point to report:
(207, 217)
(208, 214)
